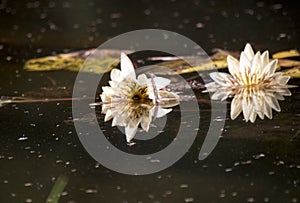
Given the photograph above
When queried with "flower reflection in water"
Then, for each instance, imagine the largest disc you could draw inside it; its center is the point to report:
(253, 84)
(132, 101)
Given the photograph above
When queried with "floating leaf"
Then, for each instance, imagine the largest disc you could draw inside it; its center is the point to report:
(99, 62)
(293, 72)
(104, 60)
(286, 54)
(288, 63)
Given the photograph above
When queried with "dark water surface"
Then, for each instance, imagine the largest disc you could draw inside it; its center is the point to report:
(257, 162)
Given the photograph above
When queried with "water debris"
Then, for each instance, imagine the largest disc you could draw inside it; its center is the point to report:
(57, 189)
(14, 100)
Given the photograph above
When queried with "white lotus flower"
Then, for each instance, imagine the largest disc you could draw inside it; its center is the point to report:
(132, 101)
(254, 83)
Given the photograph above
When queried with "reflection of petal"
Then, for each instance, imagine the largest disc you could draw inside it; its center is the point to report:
(130, 132)
(272, 102)
(168, 99)
(259, 104)
(108, 115)
(145, 123)
(247, 108)
(236, 107)
(118, 121)
(160, 112)
(253, 117)
(127, 68)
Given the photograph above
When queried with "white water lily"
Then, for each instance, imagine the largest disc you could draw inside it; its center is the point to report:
(253, 83)
(132, 101)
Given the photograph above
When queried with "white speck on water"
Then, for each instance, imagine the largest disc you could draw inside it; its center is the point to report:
(90, 191)
(228, 170)
(184, 186)
(199, 25)
(266, 199)
(250, 199)
(276, 6)
(189, 199)
(28, 200)
(222, 194)
(151, 196)
(258, 156)
(97, 165)
(64, 194)
(271, 173)
(246, 162)
(58, 161)
(155, 161)
(27, 184)
(22, 138)
(294, 200)
(167, 193)
(234, 194)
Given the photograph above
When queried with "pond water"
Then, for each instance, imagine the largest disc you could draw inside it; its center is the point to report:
(257, 162)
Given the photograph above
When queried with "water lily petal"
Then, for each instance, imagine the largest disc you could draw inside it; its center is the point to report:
(108, 90)
(265, 58)
(249, 52)
(161, 82)
(142, 79)
(116, 75)
(271, 67)
(220, 95)
(282, 79)
(256, 64)
(127, 68)
(233, 65)
(222, 79)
